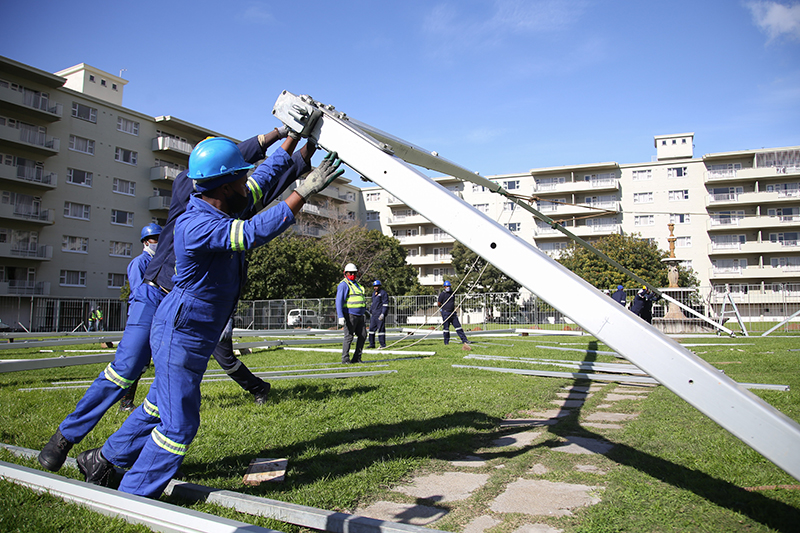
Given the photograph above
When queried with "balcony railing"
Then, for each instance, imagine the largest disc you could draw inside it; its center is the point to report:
(163, 173)
(159, 202)
(171, 143)
(25, 287)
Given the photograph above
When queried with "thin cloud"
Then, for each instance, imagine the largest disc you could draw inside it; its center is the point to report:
(257, 13)
(776, 20)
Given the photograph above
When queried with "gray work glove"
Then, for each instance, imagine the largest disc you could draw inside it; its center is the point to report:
(321, 177)
(380, 317)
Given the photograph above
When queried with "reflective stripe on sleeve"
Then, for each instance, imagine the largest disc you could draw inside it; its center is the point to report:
(168, 444)
(255, 190)
(237, 235)
(112, 376)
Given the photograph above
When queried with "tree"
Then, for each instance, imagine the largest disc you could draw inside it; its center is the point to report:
(291, 266)
(376, 255)
(640, 256)
(469, 268)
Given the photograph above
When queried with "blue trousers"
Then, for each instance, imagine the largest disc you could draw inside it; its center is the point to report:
(451, 318)
(133, 354)
(379, 327)
(154, 439)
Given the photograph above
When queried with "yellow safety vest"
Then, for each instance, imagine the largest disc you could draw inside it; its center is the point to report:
(356, 295)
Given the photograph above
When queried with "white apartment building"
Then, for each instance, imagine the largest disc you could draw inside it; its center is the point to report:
(736, 215)
(80, 175)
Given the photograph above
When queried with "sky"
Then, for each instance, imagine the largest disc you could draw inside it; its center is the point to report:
(497, 87)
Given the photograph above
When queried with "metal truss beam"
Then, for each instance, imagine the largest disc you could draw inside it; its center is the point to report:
(745, 415)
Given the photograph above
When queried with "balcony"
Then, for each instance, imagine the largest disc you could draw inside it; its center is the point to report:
(170, 144)
(413, 220)
(757, 273)
(162, 173)
(26, 251)
(159, 203)
(566, 210)
(592, 186)
(596, 230)
(23, 212)
(31, 105)
(336, 194)
(36, 177)
(429, 259)
(431, 238)
(14, 287)
(752, 222)
(311, 209)
(30, 140)
(393, 200)
(719, 200)
(765, 247)
(745, 174)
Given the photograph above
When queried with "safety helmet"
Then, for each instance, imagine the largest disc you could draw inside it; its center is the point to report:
(150, 230)
(446, 283)
(376, 283)
(619, 287)
(214, 162)
(350, 267)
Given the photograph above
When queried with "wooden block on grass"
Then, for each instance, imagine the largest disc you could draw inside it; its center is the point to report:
(261, 470)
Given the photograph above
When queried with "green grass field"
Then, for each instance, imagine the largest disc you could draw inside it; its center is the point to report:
(349, 442)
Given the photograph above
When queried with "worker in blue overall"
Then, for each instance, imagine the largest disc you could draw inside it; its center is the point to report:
(619, 295)
(210, 247)
(133, 351)
(447, 306)
(136, 270)
(378, 310)
(351, 307)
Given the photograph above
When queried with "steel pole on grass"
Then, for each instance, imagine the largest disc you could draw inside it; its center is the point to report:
(748, 417)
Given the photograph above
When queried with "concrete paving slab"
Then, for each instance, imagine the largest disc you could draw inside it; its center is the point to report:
(540, 497)
(605, 406)
(537, 528)
(568, 403)
(612, 397)
(598, 425)
(584, 446)
(538, 469)
(573, 395)
(470, 461)
(605, 416)
(405, 513)
(516, 422)
(519, 440)
(481, 524)
(446, 487)
(592, 469)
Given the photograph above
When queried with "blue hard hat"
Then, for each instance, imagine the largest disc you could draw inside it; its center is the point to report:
(619, 287)
(214, 162)
(150, 230)
(446, 283)
(376, 283)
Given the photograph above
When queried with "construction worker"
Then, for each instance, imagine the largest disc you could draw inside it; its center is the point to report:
(133, 351)
(351, 306)
(92, 318)
(642, 304)
(619, 295)
(378, 310)
(136, 270)
(210, 248)
(98, 320)
(447, 306)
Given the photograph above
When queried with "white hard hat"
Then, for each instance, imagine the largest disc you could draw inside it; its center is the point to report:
(350, 267)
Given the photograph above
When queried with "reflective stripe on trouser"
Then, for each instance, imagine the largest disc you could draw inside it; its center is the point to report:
(379, 327)
(451, 318)
(180, 354)
(360, 331)
(133, 354)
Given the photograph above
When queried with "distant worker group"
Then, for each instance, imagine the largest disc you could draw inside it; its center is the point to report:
(642, 304)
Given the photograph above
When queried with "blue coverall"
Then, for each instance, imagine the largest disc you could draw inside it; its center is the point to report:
(133, 351)
(354, 324)
(136, 270)
(447, 306)
(379, 307)
(210, 264)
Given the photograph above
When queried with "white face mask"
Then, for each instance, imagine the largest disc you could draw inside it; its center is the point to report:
(151, 248)
(447, 289)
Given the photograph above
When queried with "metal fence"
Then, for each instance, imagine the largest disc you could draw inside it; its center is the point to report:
(759, 306)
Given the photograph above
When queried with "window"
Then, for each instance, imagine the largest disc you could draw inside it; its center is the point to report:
(483, 208)
(511, 185)
(683, 242)
(644, 220)
(120, 249)
(509, 206)
(74, 244)
(787, 263)
(84, 112)
(81, 144)
(676, 172)
(116, 281)
(373, 196)
(678, 218)
(643, 197)
(123, 218)
(679, 196)
(373, 216)
(127, 126)
(73, 278)
(642, 175)
(125, 156)
(91, 78)
(79, 177)
(478, 188)
(513, 227)
(75, 210)
(124, 187)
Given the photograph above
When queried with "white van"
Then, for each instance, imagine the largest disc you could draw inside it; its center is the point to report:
(302, 318)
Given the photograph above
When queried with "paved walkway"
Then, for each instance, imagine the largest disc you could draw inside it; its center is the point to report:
(477, 494)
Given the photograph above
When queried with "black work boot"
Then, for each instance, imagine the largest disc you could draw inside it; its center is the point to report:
(95, 467)
(55, 452)
(260, 397)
